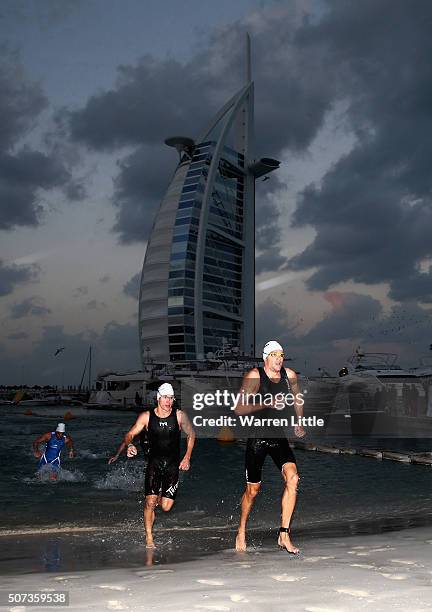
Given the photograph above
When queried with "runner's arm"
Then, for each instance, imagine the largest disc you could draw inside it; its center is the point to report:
(69, 443)
(250, 385)
(141, 422)
(120, 449)
(186, 425)
(299, 430)
(298, 397)
(44, 438)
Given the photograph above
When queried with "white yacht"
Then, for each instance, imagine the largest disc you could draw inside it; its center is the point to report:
(380, 365)
(138, 388)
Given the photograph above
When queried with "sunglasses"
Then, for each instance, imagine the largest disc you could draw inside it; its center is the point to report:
(276, 354)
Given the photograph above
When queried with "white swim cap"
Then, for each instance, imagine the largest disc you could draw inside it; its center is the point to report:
(61, 427)
(165, 389)
(271, 346)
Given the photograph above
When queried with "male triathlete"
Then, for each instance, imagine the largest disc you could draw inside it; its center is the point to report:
(163, 424)
(55, 441)
(268, 382)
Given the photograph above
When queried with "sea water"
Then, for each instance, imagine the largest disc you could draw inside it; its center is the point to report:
(337, 494)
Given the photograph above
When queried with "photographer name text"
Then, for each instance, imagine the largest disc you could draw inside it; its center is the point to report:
(252, 421)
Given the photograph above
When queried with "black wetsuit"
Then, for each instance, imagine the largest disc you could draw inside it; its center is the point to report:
(162, 472)
(268, 440)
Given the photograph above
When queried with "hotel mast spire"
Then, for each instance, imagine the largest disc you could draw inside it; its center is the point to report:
(248, 59)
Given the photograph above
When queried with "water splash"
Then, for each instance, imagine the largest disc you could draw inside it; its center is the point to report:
(125, 476)
(88, 454)
(44, 476)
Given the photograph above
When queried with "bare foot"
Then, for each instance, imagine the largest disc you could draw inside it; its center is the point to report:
(284, 541)
(240, 543)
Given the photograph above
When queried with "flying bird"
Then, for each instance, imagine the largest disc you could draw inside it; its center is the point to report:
(59, 350)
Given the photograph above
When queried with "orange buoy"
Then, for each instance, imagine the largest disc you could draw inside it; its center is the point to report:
(19, 395)
(68, 416)
(28, 412)
(225, 436)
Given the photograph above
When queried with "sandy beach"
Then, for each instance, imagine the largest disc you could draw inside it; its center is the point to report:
(387, 571)
(363, 547)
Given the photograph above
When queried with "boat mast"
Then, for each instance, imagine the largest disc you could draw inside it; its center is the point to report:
(90, 367)
(89, 362)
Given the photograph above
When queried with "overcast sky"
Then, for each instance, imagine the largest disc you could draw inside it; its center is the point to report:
(89, 89)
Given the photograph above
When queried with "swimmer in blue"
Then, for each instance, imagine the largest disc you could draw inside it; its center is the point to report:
(55, 441)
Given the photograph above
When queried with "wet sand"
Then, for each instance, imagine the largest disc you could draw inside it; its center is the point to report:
(386, 571)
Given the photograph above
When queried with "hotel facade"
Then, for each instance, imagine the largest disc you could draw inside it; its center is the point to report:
(197, 290)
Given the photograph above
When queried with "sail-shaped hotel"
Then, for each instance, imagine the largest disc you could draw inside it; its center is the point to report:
(198, 279)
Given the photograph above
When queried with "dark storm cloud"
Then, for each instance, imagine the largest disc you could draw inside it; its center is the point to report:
(354, 319)
(12, 275)
(33, 169)
(273, 322)
(352, 316)
(161, 97)
(269, 260)
(146, 105)
(131, 288)
(25, 173)
(267, 222)
(117, 336)
(139, 187)
(373, 210)
(416, 286)
(20, 101)
(32, 306)
(21, 176)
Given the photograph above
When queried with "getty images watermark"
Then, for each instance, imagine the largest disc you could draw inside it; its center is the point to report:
(226, 398)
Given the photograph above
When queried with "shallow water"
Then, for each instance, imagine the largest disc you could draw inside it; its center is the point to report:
(337, 494)
(91, 493)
